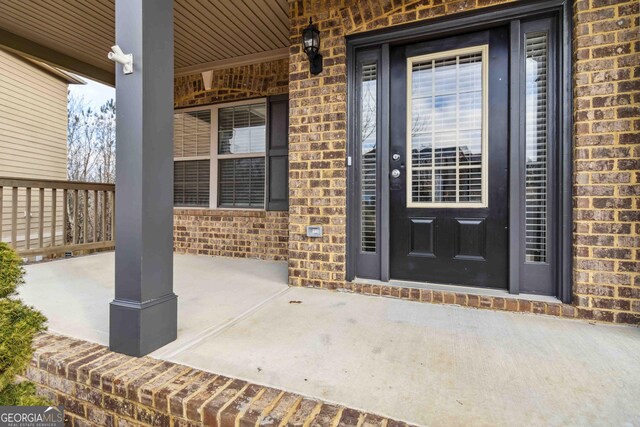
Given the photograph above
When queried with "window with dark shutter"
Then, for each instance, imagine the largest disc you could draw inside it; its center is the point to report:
(221, 158)
(241, 155)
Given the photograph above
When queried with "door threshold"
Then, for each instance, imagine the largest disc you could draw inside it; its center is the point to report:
(470, 290)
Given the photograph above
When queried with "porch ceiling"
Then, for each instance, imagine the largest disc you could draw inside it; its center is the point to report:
(207, 33)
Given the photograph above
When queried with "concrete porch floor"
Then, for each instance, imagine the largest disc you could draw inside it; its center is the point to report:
(422, 363)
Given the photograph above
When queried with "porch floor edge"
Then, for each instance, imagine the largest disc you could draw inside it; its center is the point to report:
(100, 386)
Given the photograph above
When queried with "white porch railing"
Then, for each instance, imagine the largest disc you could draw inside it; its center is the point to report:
(47, 217)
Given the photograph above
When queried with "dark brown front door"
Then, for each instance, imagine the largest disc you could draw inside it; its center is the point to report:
(449, 160)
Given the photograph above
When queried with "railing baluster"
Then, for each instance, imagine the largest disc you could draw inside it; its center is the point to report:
(27, 225)
(75, 217)
(103, 234)
(41, 221)
(65, 215)
(54, 202)
(85, 227)
(95, 216)
(85, 216)
(113, 215)
(14, 217)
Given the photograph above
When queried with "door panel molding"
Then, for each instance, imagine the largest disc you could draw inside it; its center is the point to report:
(471, 239)
(423, 234)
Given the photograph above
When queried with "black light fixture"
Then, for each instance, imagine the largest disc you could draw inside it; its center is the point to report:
(311, 46)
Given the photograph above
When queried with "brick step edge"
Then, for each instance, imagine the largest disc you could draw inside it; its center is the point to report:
(518, 305)
(101, 388)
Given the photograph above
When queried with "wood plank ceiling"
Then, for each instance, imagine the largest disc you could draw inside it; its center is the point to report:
(206, 31)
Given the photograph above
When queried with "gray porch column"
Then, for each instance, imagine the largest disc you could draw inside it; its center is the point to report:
(143, 315)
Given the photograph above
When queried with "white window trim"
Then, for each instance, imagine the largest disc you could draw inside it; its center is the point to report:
(214, 156)
(484, 51)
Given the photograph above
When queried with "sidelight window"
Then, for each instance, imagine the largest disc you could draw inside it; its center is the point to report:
(538, 96)
(536, 135)
(446, 125)
(368, 161)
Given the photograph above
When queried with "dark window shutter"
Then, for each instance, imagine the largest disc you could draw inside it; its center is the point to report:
(278, 153)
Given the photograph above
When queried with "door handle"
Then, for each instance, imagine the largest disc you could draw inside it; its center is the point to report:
(395, 173)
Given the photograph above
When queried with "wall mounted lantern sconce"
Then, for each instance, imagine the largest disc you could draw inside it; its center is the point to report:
(311, 46)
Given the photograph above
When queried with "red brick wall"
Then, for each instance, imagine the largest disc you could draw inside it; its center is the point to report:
(317, 136)
(101, 388)
(233, 84)
(232, 233)
(607, 159)
(607, 225)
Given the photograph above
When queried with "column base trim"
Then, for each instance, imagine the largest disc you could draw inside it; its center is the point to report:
(139, 328)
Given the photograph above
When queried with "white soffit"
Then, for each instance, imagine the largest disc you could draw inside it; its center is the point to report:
(209, 34)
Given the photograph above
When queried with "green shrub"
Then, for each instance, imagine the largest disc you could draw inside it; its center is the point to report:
(19, 324)
(11, 271)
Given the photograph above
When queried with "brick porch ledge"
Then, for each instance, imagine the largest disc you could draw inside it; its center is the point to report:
(101, 388)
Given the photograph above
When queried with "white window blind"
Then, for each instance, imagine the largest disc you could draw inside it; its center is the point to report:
(191, 151)
(446, 120)
(241, 182)
(191, 183)
(536, 51)
(241, 155)
(368, 161)
(242, 129)
(223, 166)
(192, 134)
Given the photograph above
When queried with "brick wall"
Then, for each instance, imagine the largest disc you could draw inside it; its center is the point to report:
(606, 286)
(607, 160)
(233, 84)
(101, 388)
(232, 233)
(317, 136)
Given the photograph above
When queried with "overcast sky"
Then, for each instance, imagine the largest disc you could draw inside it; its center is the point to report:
(93, 92)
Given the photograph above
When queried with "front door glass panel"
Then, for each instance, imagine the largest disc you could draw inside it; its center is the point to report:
(447, 130)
